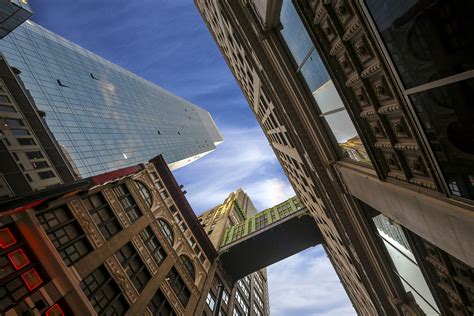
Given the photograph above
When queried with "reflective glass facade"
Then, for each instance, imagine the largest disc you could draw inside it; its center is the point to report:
(404, 264)
(309, 65)
(430, 48)
(104, 116)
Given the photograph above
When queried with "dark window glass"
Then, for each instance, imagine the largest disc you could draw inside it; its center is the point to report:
(20, 132)
(102, 215)
(153, 245)
(167, 230)
(14, 123)
(46, 175)
(40, 164)
(159, 305)
(127, 201)
(4, 99)
(104, 293)
(144, 192)
(447, 116)
(34, 155)
(6, 108)
(133, 266)
(188, 264)
(178, 286)
(65, 234)
(427, 40)
(26, 141)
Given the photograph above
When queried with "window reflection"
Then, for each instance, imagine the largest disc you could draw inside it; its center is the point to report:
(427, 41)
(310, 66)
(405, 264)
(447, 117)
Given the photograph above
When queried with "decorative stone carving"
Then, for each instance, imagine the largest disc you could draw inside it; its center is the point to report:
(417, 166)
(86, 222)
(362, 50)
(370, 70)
(400, 128)
(406, 146)
(391, 108)
(351, 31)
(376, 98)
(172, 298)
(376, 129)
(336, 47)
(122, 279)
(342, 11)
(345, 64)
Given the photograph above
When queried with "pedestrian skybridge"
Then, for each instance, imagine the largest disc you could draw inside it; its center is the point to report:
(268, 237)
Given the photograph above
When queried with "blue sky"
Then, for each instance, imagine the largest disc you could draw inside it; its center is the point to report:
(166, 42)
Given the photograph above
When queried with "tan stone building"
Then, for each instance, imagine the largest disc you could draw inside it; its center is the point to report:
(121, 243)
(366, 105)
(249, 296)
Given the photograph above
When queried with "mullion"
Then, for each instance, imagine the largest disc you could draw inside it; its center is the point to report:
(60, 225)
(112, 301)
(69, 243)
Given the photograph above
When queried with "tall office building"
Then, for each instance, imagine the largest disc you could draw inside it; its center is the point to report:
(249, 296)
(103, 116)
(366, 105)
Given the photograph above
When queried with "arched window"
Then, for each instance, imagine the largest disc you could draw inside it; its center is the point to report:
(188, 264)
(144, 192)
(167, 230)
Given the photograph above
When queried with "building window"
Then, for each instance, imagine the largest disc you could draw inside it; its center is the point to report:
(166, 230)
(104, 293)
(65, 234)
(241, 302)
(178, 286)
(4, 99)
(34, 155)
(404, 262)
(20, 132)
(159, 305)
(426, 42)
(211, 301)
(153, 245)
(256, 310)
(145, 193)
(179, 220)
(40, 164)
(133, 266)
(46, 175)
(235, 312)
(188, 264)
(244, 288)
(311, 68)
(102, 215)
(128, 203)
(261, 221)
(225, 297)
(26, 141)
(13, 123)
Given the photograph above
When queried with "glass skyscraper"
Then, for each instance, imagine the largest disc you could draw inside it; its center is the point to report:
(103, 116)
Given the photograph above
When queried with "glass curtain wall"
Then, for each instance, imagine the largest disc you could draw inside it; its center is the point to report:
(404, 263)
(432, 49)
(310, 66)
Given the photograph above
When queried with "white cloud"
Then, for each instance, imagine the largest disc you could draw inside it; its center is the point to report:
(270, 191)
(306, 284)
(244, 160)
